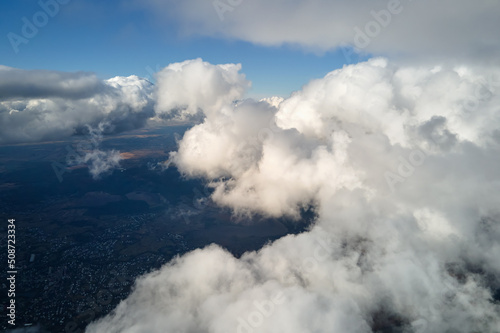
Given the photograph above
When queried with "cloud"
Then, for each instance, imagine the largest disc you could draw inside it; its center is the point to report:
(98, 161)
(458, 29)
(44, 105)
(19, 83)
(401, 166)
(195, 88)
(101, 162)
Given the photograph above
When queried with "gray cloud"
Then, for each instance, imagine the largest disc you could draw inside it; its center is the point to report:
(435, 131)
(424, 28)
(19, 83)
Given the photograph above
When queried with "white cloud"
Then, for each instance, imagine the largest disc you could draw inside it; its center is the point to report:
(185, 89)
(422, 255)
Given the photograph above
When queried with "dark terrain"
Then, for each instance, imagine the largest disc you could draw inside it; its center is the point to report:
(81, 243)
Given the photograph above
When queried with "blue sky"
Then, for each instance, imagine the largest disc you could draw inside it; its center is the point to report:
(113, 39)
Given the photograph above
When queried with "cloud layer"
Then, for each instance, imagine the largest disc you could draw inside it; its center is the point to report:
(37, 105)
(44, 105)
(401, 166)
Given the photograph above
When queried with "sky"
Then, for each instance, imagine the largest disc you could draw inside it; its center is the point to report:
(382, 117)
(122, 38)
(279, 50)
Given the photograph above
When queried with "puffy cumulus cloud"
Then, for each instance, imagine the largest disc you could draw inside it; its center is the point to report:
(378, 97)
(273, 166)
(193, 88)
(418, 28)
(273, 101)
(45, 105)
(401, 165)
